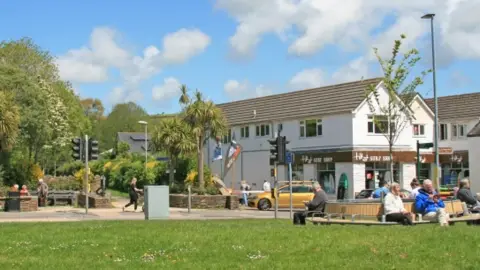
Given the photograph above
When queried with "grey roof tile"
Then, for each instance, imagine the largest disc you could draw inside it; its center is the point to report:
(457, 106)
(320, 101)
(136, 140)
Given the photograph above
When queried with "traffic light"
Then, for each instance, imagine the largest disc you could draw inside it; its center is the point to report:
(273, 150)
(77, 148)
(282, 149)
(92, 149)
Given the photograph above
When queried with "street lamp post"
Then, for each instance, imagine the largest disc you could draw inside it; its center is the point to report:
(146, 143)
(430, 17)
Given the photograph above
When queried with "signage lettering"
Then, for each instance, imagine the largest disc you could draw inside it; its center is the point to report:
(309, 159)
(366, 158)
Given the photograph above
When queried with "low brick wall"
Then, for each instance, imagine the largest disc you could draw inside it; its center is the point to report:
(204, 201)
(27, 203)
(94, 201)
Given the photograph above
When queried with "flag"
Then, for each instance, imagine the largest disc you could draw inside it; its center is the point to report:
(217, 152)
(232, 154)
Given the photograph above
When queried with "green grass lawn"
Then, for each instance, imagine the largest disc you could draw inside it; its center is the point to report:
(234, 244)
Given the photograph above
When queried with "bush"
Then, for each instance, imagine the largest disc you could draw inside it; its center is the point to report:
(62, 183)
(70, 168)
(80, 176)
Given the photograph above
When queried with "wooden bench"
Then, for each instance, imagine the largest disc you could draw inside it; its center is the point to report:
(54, 196)
(371, 213)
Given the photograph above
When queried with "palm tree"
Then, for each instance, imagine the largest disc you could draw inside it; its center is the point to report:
(173, 136)
(184, 98)
(9, 121)
(206, 121)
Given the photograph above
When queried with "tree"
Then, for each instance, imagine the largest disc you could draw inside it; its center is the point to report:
(9, 121)
(391, 118)
(174, 137)
(205, 121)
(124, 117)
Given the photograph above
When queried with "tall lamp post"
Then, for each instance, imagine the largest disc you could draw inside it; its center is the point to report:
(146, 143)
(430, 16)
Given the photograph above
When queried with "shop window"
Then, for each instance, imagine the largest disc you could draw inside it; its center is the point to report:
(378, 172)
(297, 172)
(424, 172)
(453, 172)
(326, 177)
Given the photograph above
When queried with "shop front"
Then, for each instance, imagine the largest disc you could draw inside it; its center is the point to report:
(454, 167)
(364, 169)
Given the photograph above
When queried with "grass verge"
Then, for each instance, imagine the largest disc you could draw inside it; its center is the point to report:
(234, 244)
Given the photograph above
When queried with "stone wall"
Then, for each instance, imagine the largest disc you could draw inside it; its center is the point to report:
(204, 201)
(27, 203)
(94, 201)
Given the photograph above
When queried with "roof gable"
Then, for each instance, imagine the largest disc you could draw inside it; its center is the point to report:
(475, 132)
(328, 100)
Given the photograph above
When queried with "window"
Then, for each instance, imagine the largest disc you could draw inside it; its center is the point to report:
(459, 130)
(262, 130)
(424, 171)
(244, 132)
(443, 132)
(378, 124)
(311, 128)
(418, 130)
(297, 171)
(228, 137)
(326, 177)
(296, 189)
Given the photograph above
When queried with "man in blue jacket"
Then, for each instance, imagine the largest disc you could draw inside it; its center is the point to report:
(430, 205)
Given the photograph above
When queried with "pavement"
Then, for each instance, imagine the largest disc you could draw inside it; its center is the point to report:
(69, 214)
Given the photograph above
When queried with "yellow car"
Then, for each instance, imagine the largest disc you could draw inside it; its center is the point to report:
(301, 191)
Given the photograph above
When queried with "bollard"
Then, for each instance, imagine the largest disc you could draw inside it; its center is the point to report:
(189, 199)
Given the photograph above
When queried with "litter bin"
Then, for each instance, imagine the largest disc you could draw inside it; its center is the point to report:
(12, 204)
(157, 202)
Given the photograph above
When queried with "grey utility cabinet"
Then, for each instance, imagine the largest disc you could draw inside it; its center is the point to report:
(157, 202)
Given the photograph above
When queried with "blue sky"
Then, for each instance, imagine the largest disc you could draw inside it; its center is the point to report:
(293, 47)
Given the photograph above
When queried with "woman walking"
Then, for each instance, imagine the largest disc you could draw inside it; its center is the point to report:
(132, 191)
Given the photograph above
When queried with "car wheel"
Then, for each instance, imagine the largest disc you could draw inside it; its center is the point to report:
(264, 204)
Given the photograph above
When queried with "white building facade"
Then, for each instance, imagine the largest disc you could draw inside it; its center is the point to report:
(331, 133)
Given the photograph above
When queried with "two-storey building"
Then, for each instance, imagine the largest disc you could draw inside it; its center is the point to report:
(331, 133)
(458, 115)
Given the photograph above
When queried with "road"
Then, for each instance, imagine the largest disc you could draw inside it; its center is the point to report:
(65, 214)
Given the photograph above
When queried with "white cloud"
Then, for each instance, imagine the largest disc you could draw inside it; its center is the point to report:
(352, 23)
(242, 90)
(184, 44)
(307, 78)
(91, 64)
(169, 89)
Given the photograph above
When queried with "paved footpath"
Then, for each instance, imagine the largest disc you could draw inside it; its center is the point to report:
(66, 214)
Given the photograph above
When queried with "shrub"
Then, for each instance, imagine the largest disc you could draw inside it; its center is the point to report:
(70, 168)
(62, 183)
(80, 175)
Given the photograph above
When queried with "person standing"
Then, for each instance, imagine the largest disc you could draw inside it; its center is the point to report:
(133, 193)
(42, 192)
(245, 188)
(266, 186)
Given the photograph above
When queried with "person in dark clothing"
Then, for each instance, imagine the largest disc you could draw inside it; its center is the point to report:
(132, 192)
(317, 204)
(465, 195)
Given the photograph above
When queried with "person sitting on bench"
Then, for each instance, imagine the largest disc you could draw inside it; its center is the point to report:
(465, 195)
(394, 209)
(316, 205)
(382, 191)
(430, 205)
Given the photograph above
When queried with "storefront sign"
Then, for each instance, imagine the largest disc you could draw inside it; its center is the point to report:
(365, 157)
(309, 159)
(445, 150)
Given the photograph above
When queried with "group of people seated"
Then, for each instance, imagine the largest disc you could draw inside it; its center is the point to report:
(427, 202)
(23, 191)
